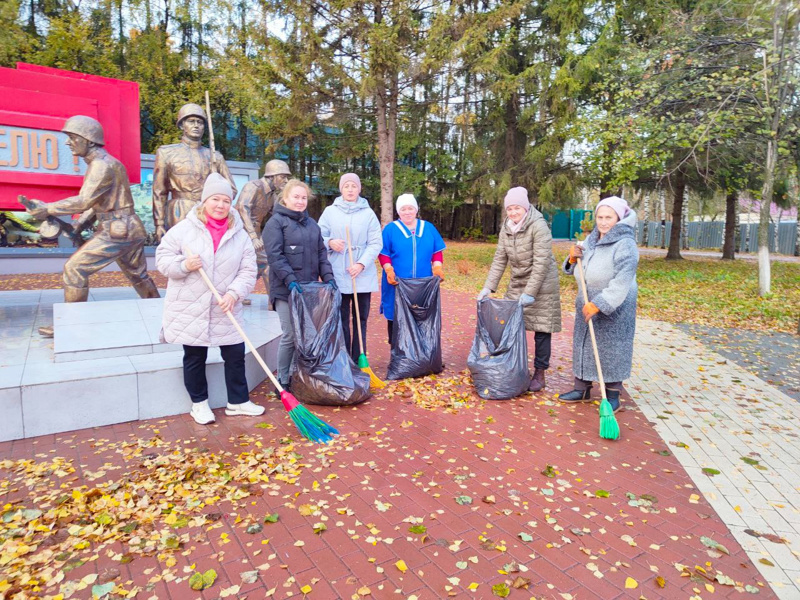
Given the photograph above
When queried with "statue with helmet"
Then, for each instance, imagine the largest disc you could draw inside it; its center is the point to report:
(181, 169)
(105, 197)
(255, 206)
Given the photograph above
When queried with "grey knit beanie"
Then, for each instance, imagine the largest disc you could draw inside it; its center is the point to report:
(216, 184)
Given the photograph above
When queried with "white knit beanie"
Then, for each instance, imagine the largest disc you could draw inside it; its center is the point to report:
(216, 184)
(406, 200)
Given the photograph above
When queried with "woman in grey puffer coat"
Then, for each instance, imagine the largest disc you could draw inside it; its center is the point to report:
(526, 245)
(610, 258)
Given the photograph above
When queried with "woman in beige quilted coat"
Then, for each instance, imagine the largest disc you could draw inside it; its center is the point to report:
(213, 237)
(525, 244)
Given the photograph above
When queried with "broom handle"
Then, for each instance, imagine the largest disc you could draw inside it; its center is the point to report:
(247, 341)
(591, 331)
(355, 294)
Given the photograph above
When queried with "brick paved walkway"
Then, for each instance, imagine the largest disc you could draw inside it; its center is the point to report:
(428, 493)
(732, 422)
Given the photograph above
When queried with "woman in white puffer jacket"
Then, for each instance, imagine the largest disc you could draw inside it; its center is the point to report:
(212, 237)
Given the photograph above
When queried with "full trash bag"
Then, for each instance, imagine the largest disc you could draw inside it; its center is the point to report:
(417, 329)
(324, 372)
(498, 359)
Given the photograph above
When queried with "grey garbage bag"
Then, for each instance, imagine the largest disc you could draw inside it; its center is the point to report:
(324, 372)
(417, 330)
(498, 359)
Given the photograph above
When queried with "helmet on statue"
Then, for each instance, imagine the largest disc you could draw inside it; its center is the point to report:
(276, 167)
(191, 110)
(86, 127)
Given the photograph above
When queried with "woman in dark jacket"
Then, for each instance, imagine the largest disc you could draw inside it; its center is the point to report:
(296, 254)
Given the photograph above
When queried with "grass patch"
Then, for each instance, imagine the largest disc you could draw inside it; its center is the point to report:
(702, 291)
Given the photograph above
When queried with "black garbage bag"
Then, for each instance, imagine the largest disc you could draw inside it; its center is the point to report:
(498, 359)
(324, 372)
(417, 329)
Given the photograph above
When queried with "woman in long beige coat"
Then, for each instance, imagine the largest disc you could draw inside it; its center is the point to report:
(526, 245)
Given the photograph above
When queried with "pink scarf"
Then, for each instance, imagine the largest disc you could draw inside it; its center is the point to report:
(217, 228)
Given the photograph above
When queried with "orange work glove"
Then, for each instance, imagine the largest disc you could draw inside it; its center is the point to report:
(589, 310)
(575, 253)
(390, 276)
(438, 270)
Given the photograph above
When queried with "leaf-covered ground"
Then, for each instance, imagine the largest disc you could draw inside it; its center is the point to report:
(428, 493)
(704, 291)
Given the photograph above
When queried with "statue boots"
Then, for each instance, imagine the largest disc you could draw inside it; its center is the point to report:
(146, 289)
(71, 294)
(537, 381)
(75, 294)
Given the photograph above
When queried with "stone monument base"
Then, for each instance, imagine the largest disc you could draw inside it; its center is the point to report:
(105, 364)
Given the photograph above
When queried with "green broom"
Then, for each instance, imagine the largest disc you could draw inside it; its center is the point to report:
(363, 363)
(311, 426)
(609, 428)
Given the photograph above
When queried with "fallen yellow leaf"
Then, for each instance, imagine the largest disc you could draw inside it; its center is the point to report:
(401, 565)
(631, 583)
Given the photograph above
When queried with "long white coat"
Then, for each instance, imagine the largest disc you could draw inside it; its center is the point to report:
(191, 313)
(365, 238)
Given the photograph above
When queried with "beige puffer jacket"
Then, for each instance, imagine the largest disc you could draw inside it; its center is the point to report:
(191, 313)
(533, 271)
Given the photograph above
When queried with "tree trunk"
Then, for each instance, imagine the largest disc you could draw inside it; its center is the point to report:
(764, 275)
(386, 117)
(121, 37)
(674, 252)
(776, 231)
(728, 246)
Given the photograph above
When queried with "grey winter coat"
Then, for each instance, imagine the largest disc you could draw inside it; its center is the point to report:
(609, 265)
(529, 252)
(365, 239)
(192, 315)
(295, 251)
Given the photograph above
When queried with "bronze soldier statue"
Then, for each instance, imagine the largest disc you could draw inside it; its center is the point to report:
(255, 205)
(181, 170)
(105, 196)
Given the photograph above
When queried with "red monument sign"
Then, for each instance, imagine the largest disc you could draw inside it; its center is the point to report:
(34, 104)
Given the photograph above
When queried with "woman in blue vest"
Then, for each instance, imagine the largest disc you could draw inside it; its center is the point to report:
(411, 248)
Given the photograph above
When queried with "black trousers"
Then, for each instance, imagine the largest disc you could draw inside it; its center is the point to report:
(348, 316)
(194, 372)
(390, 328)
(541, 357)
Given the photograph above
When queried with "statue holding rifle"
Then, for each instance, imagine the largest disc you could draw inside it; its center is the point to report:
(182, 168)
(105, 196)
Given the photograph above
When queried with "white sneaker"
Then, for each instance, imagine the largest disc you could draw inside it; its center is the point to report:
(245, 408)
(201, 413)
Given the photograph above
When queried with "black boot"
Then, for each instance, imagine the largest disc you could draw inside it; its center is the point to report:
(613, 399)
(537, 381)
(577, 395)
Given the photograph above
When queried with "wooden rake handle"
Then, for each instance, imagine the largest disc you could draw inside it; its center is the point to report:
(355, 293)
(591, 330)
(253, 349)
